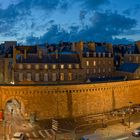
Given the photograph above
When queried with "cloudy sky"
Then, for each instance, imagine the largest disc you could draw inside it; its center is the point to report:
(40, 21)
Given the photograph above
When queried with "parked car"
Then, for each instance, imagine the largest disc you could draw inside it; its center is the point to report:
(19, 136)
(136, 132)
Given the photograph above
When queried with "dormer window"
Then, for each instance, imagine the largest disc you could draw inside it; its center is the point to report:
(62, 66)
(36, 66)
(45, 66)
(28, 66)
(54, 66)
(69, 66)
(20, 66)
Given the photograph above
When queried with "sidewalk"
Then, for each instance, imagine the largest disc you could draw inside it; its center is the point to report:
(113, 131)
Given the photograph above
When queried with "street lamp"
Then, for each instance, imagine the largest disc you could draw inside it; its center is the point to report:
(129, 113)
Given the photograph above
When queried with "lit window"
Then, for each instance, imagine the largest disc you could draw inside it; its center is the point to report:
(62, 76)
(46, 66)
(53, 66)
(20, 76)
(87, 63)
(53, 76)
(69, 76)
(36, 66)
(109, 69)
(29, 77)
(77, 66)
(94, 63)
(69, 66)
(37, 77)
(45, 76)
(20, 66)
(28, 66)
(62, 66)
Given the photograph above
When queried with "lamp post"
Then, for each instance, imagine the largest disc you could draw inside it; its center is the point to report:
(129, 121)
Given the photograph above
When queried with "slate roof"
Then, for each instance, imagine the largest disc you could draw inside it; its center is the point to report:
(128, 67)
(51, 58)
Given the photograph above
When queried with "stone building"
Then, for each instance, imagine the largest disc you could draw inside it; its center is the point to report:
(72, 63)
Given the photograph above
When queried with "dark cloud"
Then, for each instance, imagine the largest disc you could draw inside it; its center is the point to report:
(92, 4)
(133, 10)
(103, 27)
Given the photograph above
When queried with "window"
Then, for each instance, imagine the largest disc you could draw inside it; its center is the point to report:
(99, 54)
(46, 77)
(37, 77)
(29, 77)
(103, 69)
(36, 66)
(137, 58)
(20, 66)
(69, 76)
(62, 76)
(99, 70)
(53, 76)
(45, 66)
(103, 54)
(69, 66)
(87, 71)
(77, 66)
(20, 76)
(87, 63)
(130, 58)
(54, 66)
(94, 63)
(109, 55)
(28, 66)
(94, 70)
(62, 66)
(87, 54)
(109, 69)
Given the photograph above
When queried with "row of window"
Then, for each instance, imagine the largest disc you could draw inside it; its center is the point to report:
(88, 54)
(53, 66)
(37, 77)
(99, 70)
(93, 63)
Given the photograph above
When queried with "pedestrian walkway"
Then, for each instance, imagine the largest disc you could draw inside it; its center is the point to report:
(114, 132)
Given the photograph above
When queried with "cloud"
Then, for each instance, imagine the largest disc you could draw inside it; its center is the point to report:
(92, 4)
(103, 27)
(133, 10)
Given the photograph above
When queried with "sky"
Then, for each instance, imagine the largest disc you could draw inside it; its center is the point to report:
(54, 21)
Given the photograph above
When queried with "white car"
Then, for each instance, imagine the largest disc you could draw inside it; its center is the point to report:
(19, 136)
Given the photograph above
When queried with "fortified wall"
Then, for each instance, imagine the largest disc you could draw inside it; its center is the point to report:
(65, 101)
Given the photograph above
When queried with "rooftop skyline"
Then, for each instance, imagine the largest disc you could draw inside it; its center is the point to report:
(39, 21)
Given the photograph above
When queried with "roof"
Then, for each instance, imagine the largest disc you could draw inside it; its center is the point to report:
(50, 58)
(129, 67)
(106, 79)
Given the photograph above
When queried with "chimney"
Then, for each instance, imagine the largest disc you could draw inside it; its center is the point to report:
(40, 54)
(138, 45)
(109, 47)
(91, 46)
(25, 53)
(73, 47)
(56, 53)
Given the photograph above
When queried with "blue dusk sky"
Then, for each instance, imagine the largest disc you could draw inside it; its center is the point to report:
(52, 21)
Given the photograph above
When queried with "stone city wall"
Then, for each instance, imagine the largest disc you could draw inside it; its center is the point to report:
(71, 100)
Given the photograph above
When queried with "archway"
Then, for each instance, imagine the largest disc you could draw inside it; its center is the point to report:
(14, 107)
